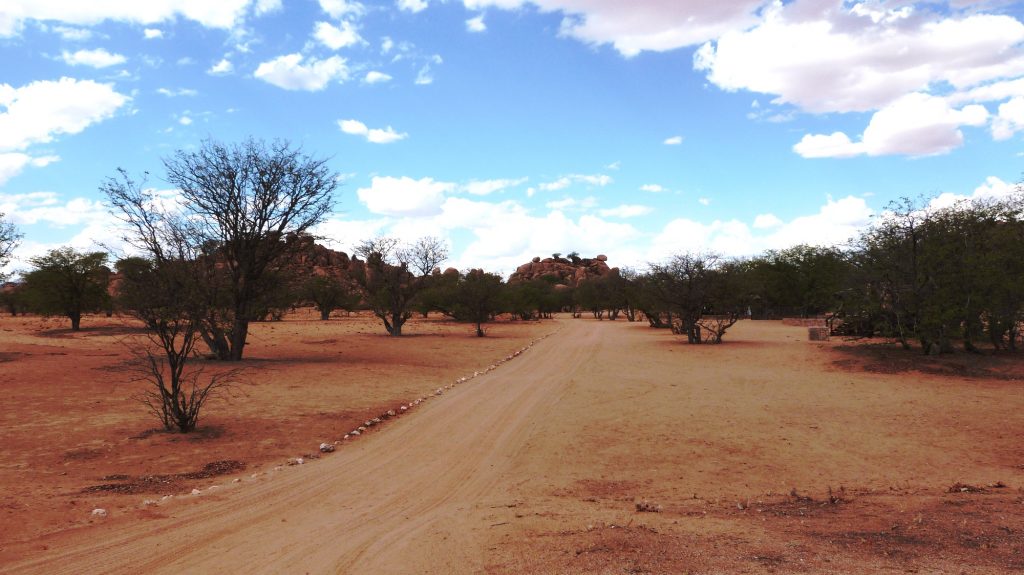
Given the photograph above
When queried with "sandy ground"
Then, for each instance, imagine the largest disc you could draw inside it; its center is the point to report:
(766, 454)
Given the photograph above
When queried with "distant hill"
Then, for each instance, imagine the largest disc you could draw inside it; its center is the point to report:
(566, 271)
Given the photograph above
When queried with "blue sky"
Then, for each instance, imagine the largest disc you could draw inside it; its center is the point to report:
(515, 128)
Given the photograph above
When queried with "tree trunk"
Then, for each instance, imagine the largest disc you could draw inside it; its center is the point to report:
(479, 330)
(239, 333)
(396, 323)
(325, 314)
(76, 321)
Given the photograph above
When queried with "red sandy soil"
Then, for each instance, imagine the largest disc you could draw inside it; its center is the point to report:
(765, 454)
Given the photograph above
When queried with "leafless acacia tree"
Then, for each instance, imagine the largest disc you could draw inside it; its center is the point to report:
(237, 204)
(388, 279)
(425, 254)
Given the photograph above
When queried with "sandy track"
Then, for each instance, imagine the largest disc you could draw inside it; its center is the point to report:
(393, 502)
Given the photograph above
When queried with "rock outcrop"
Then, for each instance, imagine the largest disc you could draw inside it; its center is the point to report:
(565, 271)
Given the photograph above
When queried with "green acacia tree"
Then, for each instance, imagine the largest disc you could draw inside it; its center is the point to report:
(477, 297)
(68, 283)
(328, 293)
(9, 238)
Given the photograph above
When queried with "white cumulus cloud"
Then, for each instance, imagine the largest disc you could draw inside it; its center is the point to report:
(98, 58)
(833, 224)
(339, 9)
(914, 125)
(476, 24)
(404, 196)
(223, 14)
(40, 111)
(424, 77)
(1009, 120)
(12, 164)
(838, 58)
(373, 135)
(673, 141)
(73, 34)
(375, 77)
(413, 6)
(626, 211)
(153, 33)
(267, 7)
(486, 187)
(336, 38)
(767, 221)
(289, 72)
(633, 27)
(993, 188)
(172, 93)
(224, 66)
(598, 180)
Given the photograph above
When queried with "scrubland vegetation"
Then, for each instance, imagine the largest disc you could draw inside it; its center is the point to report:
(236, 249)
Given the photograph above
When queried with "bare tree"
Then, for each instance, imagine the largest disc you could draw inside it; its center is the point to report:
(386, 247)
(680, 286)
(237, 205)
(425, 254)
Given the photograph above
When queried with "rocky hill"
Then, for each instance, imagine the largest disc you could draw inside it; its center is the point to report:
(568, 272)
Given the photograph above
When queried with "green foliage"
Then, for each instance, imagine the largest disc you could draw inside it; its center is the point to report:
(68, 283)
(328, 293)
(12, 298)
(168, 296)
(438, 293)
(9, 238)
(538, 298)
(477, 298)
(696, 295)
(610, 294)
(935, 275)
(389, 288)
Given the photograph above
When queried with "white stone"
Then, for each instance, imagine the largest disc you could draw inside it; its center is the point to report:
(99, 512)
(196, 492)
(326, 447)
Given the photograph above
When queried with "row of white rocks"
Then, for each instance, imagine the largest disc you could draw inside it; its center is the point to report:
(327, 447)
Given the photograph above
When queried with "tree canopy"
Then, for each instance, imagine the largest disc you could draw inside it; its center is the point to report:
(238, 205)
(68, 283)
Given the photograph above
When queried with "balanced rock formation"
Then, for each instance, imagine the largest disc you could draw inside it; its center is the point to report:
(566, 271)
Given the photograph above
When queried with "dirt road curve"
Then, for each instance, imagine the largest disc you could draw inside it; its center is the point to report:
(392, 502)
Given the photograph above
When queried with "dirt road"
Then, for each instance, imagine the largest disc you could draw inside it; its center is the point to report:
(392, 502)
(537, 466)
